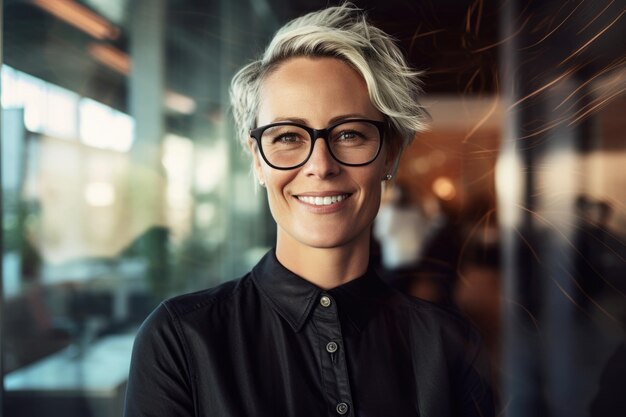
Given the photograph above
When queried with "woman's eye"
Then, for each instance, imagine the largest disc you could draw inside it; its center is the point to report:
(287, 138)
(349, 135)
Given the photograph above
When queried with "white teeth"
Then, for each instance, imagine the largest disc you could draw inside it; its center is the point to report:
(322, 201)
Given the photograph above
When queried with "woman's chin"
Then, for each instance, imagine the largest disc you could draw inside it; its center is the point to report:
(323, 237)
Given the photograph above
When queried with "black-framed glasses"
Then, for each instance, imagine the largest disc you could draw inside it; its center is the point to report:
(352, 142)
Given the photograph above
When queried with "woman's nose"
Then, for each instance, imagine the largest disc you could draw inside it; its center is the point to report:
(321, 163)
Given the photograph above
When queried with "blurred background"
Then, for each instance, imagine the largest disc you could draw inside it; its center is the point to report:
(123, 184)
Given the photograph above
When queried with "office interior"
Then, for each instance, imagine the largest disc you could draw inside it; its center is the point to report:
(123, 184)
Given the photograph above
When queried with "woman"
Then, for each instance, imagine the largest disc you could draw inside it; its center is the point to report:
(311, 331)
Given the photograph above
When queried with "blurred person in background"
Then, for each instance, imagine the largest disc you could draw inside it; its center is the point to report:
(401, 227)
(312, 330)
(404, 230)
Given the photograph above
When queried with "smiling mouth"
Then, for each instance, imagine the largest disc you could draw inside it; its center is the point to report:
(322, 201)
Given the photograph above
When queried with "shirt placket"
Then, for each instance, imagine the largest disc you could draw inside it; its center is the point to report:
(333, 360)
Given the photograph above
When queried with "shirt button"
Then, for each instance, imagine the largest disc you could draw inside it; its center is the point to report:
(325, 301)
(331, 347)
(342, 408)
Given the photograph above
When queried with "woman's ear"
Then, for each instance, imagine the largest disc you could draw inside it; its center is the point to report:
(256, 161)
(392, 156)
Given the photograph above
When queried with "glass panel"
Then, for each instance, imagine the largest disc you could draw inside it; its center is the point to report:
(122, 184)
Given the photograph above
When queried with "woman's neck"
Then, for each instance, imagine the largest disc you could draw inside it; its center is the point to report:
(325, 267)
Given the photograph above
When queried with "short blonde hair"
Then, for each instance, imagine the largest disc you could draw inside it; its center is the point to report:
(341, 32)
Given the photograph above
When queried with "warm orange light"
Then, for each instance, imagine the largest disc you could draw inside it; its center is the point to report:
(444, 188)
(80, 17)
(111, 57)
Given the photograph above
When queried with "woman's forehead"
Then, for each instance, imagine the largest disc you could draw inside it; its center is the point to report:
(314, 88)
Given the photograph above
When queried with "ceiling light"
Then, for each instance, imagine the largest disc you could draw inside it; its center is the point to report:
(111, 57)
(79, 17)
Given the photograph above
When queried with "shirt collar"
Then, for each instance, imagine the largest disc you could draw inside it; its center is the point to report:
(293, 297)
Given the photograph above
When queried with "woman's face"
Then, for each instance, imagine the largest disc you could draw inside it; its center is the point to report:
(317, 92)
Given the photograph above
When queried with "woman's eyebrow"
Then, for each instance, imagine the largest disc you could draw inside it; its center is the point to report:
(290, 119)
(346, 117)
(330, 122)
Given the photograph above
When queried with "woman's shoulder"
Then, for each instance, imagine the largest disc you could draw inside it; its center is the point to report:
(444, 331)
(224, 293)
(441, 318)
(200, 312)
(187, 306)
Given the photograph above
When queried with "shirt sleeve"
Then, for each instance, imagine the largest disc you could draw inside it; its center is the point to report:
(474, 389)
(159, 379)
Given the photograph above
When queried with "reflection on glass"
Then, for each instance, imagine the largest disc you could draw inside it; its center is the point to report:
(118, 134)
(101, 222)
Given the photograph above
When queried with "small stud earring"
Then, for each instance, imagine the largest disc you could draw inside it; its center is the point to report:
(387, 177)
(262, 183)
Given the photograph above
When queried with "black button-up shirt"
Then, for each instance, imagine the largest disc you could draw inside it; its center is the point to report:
(273, 344)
